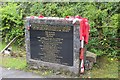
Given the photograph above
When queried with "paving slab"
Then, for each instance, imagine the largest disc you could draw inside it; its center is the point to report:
(9, 73)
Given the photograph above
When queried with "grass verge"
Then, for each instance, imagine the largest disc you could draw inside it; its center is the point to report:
(10, 62)
(14, 63)
(105, 68)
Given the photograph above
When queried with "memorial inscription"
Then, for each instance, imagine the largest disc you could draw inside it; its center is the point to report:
(52, 43)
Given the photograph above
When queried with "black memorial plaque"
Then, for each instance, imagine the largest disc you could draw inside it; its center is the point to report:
(52, 43)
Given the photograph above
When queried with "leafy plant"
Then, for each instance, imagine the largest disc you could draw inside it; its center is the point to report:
(12, 23)
(103, 20)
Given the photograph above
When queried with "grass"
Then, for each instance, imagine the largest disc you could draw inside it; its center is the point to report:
(104, 68)
(107, 68)
(10, 62)
(14, 63)
(2, 45)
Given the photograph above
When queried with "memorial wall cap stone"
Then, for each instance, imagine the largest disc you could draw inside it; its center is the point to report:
(52, 42)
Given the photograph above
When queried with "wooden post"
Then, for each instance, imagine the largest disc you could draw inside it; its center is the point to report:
(9, 44)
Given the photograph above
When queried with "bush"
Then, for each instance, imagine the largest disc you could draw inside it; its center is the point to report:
(103, 20)
(12, 23)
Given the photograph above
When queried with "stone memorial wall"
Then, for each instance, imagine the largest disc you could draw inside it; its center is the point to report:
(52, 43)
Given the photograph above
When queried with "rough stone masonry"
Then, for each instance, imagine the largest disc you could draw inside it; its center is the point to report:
(53, 43)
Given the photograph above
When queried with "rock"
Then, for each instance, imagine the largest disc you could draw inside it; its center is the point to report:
(91, 56)
(90, 60)
(7, 51)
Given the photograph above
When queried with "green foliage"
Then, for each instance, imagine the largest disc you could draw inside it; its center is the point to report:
(103, 20)
(12, 23)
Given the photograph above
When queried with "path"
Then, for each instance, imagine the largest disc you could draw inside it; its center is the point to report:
(17, 74)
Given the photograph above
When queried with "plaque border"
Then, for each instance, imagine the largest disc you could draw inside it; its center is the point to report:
(38, 63)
